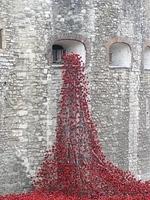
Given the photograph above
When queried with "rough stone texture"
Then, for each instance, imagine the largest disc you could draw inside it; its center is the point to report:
(30, 84)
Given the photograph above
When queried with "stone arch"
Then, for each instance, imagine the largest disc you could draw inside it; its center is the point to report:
(70, 46)
(146, 57)
(119, 53)
(76, 38)
(2, 39)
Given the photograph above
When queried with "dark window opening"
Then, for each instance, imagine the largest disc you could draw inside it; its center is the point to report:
(58, 52)
(110, 57)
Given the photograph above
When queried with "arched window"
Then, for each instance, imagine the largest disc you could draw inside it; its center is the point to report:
(67, 46)
(146, 58)
(58, 52)
(120, 55)
(0, 38)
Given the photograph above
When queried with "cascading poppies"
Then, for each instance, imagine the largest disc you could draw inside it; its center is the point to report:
(76, 165)
(76, 168)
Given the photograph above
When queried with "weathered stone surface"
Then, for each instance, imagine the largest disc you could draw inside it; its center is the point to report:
(30, 84)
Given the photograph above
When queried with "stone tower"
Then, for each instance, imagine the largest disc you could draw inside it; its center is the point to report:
(113, 38)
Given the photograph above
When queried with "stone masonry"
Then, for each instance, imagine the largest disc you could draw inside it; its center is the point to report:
(30, 83)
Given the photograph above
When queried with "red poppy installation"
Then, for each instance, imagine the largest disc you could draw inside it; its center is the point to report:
(76, 168)
(76, 164)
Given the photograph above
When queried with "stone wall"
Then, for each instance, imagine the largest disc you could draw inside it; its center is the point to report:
(30, 84)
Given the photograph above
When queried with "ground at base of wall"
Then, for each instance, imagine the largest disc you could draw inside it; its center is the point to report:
(59, 196)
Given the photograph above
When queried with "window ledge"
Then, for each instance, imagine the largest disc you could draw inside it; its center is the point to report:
(147, 69)
(55, 65)
(119, 67)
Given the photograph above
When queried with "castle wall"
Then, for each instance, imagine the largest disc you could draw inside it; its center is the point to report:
(30, 84)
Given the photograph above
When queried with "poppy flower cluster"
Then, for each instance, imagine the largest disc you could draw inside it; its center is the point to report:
(76, 167)
(60, 196)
